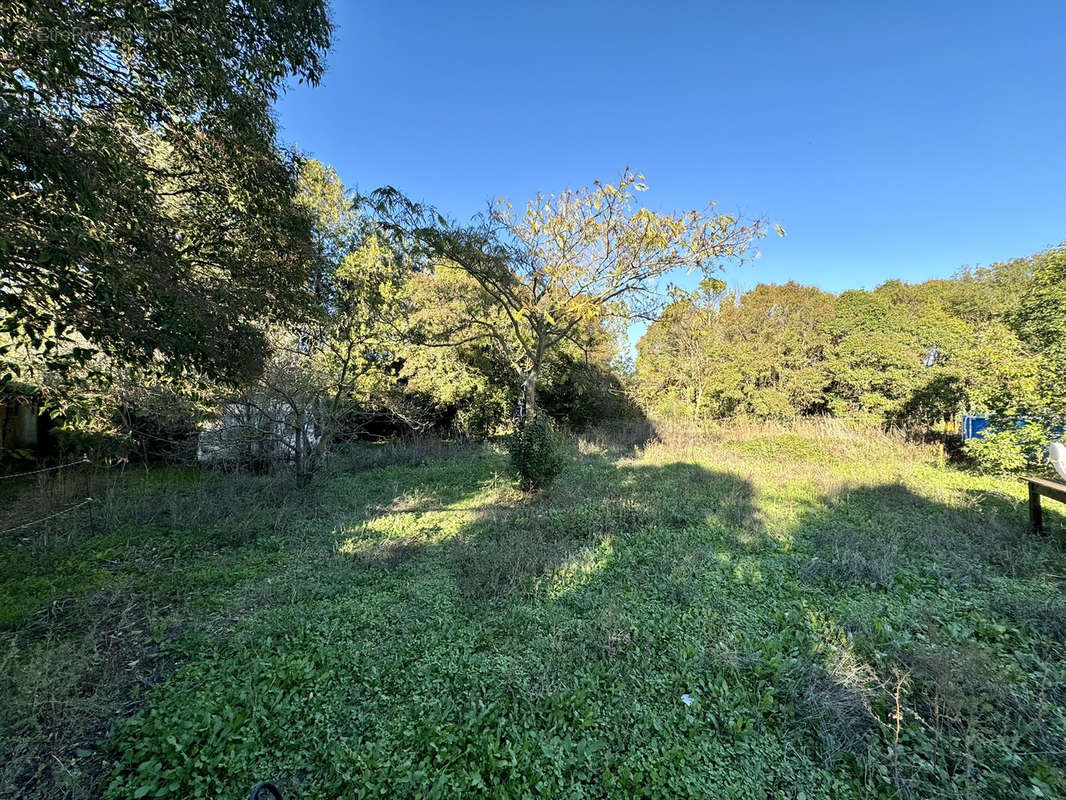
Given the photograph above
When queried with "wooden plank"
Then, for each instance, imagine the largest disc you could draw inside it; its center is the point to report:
(1053, 489)
(1042, 487)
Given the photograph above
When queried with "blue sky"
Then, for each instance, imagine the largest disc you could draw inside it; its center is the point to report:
(898, 139)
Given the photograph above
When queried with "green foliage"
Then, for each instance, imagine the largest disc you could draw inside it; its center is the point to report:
(408, 623)
(138, 417)
(1041, 322)
(914, 355)
(469, 384)
(147, 210)
(464, 391)
(326, 375)
(465, 385)
(581, 394)
(984, 294)
(761, 353)
(875, 358)
(581, 257)
(537, 455)
(1008, 449)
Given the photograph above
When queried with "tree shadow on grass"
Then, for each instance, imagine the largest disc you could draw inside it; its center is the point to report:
(899, 606)
(866, 535)
(945, 621)
(607, 507)
(98, 605)
(547, 645)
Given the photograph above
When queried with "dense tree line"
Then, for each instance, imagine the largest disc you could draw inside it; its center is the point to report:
(990, 340)
(381, 345)
(168, 265)
(389, 336)
(173, 277)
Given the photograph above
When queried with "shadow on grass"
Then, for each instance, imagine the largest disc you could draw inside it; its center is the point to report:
(559, 633)
(881, 606)
(505, 550)
(99, 605)
(946, 620)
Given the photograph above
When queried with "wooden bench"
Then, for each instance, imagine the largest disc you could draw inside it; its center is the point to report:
(1041, 486)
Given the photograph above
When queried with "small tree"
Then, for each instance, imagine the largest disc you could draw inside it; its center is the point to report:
(323, 374)
(581, 255)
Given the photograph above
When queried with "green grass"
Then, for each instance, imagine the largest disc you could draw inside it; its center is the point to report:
(850, 617)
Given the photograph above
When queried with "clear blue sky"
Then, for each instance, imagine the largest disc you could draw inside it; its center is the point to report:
(898, 139)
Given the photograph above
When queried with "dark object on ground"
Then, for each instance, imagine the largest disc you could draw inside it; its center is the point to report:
(265, 790)
(1040, 486)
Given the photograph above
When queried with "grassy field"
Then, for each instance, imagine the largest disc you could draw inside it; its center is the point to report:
(766, 613)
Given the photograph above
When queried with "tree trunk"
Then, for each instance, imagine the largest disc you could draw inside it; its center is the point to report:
(529, 394)
(529, 385)
(300, 443)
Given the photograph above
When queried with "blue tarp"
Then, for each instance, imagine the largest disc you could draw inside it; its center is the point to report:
(973, 426)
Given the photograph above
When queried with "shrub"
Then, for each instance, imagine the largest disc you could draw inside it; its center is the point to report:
(1008, 449)
(536, 454)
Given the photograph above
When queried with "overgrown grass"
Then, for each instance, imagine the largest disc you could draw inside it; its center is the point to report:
(847, 614)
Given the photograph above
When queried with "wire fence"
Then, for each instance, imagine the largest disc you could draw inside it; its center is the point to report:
(67, 510)
(86, 501)
(45, 469)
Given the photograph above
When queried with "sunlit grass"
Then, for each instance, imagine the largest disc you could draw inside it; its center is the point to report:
(848, 615)
(580, 569)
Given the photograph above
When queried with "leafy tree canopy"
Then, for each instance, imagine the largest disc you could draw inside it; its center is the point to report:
(990, 340)
(581, 255)
(147, 210)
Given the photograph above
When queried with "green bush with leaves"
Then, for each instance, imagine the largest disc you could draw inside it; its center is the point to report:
(536, 453)
(1008, 449)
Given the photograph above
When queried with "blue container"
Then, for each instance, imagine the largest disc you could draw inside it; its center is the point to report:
(974, 426)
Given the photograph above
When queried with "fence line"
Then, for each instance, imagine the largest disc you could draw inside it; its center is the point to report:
(86, 501)
(45, 469)
(61, 512)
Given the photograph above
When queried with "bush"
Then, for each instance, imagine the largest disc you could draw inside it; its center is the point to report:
(1008, 449)
(536, 454)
